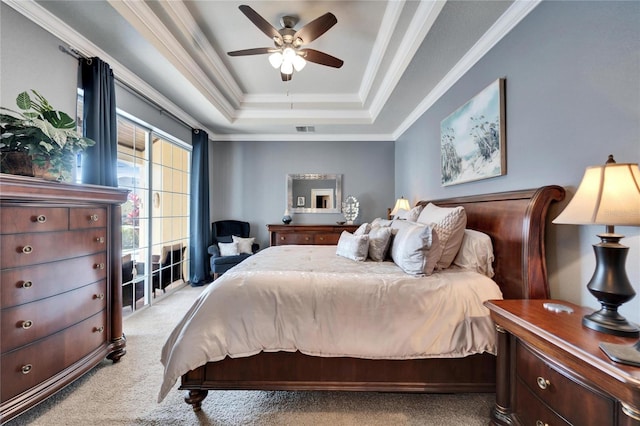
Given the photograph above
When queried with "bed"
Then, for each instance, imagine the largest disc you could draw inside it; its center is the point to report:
(514, 221)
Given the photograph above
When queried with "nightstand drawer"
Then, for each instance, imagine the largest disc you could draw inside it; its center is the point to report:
(530, 407)
(573, 401)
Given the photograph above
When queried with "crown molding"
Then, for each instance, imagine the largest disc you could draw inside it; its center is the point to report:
(509, 19)
(302, 137)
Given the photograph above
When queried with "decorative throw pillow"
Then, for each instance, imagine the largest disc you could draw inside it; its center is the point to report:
(228, 249)
(476, 253)
(362, 229)
(378, 221)
(449, 223)
(379, 239)
(354, 247)
(244, 244)
(410, 215)
(415, 247)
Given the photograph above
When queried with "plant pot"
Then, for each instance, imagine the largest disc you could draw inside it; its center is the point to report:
(16, 163)
(20, 163)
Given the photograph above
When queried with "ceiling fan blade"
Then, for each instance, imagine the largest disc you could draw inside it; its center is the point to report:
(321, 58)
(246, 52)
(260, 22)
(285, 77)
(316, 28)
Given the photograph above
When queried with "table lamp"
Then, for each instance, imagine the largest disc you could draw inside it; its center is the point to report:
(401, 204)
(609, 195)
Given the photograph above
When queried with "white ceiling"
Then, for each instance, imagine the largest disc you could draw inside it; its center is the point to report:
(399, 58)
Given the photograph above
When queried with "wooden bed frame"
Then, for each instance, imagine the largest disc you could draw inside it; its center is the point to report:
(516, 223)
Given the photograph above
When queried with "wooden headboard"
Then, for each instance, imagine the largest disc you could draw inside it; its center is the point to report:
(515, 221)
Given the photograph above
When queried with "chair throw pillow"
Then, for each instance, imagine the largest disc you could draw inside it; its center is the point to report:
(228, 249)
(355, 247)
(244, 244)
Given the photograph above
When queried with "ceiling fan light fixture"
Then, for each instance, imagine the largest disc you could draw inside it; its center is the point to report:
(299, 63)
(275, 59)
(286, 68)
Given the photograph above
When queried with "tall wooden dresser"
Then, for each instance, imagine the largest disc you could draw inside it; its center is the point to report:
(61, 307)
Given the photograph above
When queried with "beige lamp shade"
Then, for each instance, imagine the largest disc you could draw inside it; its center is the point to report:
(607, 195)
(401, 204)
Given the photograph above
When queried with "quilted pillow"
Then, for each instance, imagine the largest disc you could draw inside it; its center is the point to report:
(410, 215)
(379, 239)
(449, 223)
(354, 247)
(476, 253)
(228, 249)
(415, 248)
(244, 244)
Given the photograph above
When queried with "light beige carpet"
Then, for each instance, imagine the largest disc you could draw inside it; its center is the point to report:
(125, 393)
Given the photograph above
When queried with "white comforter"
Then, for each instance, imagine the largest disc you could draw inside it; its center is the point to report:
(308, 299)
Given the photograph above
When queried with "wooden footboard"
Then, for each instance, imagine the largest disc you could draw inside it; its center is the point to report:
(514, 220)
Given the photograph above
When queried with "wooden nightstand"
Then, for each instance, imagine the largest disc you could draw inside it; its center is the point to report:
(550, 370)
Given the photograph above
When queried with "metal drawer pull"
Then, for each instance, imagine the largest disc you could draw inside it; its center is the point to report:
(99, 266)
(27, 249)
(93, 218)
(543, 383)
(98, 296)
(27, 284)
(26, 369)
(100, 240)
(307, 238)
(41, 218)
(98, 329)
(282, 238)
(27, 324)
(541, 423)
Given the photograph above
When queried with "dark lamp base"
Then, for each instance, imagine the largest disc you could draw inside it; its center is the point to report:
(610, 323)
(624, 354)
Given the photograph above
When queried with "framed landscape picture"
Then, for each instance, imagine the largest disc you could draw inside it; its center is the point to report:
(472, 138)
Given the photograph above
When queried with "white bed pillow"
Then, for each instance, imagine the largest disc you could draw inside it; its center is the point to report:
(228, 249)
(378, 221)
(363, 229)
(379, 240)
(415, 247)
(244, 244)
(354, 247)
(476, 253)
(449, 223)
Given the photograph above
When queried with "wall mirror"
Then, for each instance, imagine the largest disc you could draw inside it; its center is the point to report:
(314, 193)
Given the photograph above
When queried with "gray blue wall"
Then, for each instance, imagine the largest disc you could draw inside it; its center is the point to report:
(572, 74)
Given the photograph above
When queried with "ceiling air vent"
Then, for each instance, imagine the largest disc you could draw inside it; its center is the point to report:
(305, 129)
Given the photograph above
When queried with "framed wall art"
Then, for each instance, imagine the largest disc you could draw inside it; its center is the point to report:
(472, 138)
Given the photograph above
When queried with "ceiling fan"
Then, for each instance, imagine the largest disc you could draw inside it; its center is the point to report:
(288, 53)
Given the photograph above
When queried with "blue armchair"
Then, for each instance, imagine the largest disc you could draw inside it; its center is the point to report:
(222, 232)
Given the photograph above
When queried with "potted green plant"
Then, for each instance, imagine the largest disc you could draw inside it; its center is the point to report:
(41, 135)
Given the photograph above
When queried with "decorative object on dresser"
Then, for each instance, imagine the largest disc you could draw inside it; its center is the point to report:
(550, 369)
(60, 270)
(307, 234)
(286, 218)
(608, 195)
(350, 209)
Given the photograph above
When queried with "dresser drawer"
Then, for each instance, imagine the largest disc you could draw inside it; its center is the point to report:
(87, 217)
(326, 239)
(15, 220)
(28, 366)
(297, 238)
(30, 249)
(573, 401)
(27, 323)
(29, 283)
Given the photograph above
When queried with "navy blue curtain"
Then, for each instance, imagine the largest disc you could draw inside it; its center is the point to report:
(199, 219)
(99, 162)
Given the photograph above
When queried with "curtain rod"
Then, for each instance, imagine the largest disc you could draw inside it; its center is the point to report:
(79, 56)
